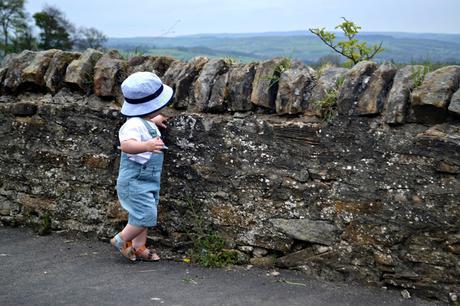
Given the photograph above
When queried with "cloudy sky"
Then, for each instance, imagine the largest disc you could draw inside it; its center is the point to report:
(118, 18)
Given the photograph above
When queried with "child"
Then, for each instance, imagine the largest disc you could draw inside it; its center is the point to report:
(138, 183)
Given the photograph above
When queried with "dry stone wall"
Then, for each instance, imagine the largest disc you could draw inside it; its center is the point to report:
(371, 196)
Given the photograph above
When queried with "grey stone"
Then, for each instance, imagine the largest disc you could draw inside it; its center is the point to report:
(6, 62)
(321, 232)
(265, 86)
(262, 261)
(23, 109)
(240, 80)
(355, 83)
(330, 79)
(295, 259)
(218, 100)
(396, 108)
(405, 294)
(109, 72)
(205, 83)
(375, 96)
(157, 64)
(16, 64)
(431, 99)
(294, 89)
(454, 105)
(55, 75)
(259, 252)
(181, 76)
(80, 72)
(35, 72)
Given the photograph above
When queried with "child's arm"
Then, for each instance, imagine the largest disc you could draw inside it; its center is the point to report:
(132, 146)
(160, 120)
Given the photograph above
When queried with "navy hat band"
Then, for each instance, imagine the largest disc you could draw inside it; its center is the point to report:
(146, 99)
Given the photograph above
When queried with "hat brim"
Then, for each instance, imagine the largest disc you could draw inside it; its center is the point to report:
(137, 110)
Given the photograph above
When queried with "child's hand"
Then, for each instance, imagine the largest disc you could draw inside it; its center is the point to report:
(159, 120)
(154, 145)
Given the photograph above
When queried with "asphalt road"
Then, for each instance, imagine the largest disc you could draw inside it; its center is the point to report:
(63, 270)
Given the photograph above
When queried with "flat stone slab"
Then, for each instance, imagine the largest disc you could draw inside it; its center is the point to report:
(321, 232)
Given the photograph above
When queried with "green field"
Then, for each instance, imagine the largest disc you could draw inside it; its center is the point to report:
(399, 47)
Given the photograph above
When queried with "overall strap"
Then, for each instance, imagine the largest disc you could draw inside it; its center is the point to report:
(151, 130)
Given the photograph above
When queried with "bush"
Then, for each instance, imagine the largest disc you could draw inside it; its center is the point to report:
(351, 48)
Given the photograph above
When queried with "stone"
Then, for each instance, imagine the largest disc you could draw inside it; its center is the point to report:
(445, 167)
(5, 207)
(16, 64)
(205, 83)
(241, 258)
(330, 79)
(268, 261)
(294, 89)
(355, 83)
(396, 108)
(180, 76)
(239, 87)
(161, 64)
(109, 72)
(454, 106)
(431, 99)
(295, 259)
(375, 96)
(246, 248)
(316, 231)
(115, 211)
(80, 72)
(24, 109)
(405, 294)
(383, 259)
(35, 72)
(157, 64)
(265, 84)
(55, 74)
(259, 252)
(6, 62)
(218, 100)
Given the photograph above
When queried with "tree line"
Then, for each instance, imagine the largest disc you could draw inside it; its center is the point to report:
(55, 31)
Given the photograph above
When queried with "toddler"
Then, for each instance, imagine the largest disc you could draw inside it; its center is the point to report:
(138, 183)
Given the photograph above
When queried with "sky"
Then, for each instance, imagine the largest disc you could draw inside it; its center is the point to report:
(136, 18)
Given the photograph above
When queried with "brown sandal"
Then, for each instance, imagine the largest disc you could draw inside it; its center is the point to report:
(145, 254)
(127, 250)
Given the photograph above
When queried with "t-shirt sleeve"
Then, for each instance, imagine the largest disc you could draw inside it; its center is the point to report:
(129, 131)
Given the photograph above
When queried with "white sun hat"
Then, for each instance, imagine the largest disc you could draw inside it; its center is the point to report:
(144, 94)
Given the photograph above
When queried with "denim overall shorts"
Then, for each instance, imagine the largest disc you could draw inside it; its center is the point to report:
(138, 187)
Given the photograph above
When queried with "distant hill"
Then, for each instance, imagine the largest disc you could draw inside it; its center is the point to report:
(301, 45)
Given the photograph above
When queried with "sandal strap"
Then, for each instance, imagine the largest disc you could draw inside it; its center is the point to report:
(140, 250)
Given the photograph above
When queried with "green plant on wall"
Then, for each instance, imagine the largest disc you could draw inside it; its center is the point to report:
(326, 107)
(284, 64)
(208, 247)
(350, 47)
(418, 75)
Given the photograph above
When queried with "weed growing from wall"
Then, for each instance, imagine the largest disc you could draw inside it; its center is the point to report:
(208, 246)
(283, 65)
(418, 75)
(327, 107)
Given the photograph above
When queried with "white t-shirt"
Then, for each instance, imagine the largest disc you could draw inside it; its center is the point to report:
(134, 128)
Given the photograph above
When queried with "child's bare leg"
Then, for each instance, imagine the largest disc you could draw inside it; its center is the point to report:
(142, 252)
(140, 239)
(120, 241)
(130, 232)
